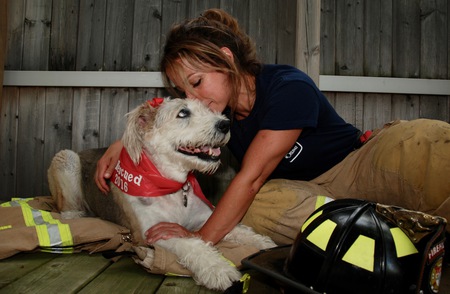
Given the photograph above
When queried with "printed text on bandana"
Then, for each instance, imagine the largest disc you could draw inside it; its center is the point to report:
(122, 178)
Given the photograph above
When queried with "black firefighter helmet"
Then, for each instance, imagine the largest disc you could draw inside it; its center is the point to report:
(356, 246)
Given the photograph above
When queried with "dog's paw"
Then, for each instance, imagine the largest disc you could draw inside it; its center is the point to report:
(207, 265)
(264, 242)
(219, 276)
(211, 269)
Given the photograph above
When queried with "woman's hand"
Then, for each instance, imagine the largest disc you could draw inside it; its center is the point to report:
(106, 165)
(164, 231)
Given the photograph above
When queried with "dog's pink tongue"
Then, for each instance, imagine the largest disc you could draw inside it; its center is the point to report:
(211, 151)
(215, 151)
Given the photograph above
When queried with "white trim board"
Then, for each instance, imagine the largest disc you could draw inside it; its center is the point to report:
(117, 79)
(384, 85)
(153, 80)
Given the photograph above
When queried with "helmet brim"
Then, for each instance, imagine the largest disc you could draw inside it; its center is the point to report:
(271, 263)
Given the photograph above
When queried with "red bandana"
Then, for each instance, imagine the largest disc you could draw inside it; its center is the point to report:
(145, 180)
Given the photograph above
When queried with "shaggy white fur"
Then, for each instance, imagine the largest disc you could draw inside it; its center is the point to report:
(178, 136)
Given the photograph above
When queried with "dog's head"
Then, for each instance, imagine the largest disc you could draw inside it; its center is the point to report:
(179, 135)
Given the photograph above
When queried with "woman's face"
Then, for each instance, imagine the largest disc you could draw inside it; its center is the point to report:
(210, 87)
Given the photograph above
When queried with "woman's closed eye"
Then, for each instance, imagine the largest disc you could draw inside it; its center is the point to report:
(197, 83)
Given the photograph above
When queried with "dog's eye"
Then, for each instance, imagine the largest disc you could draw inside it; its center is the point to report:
(184, 113)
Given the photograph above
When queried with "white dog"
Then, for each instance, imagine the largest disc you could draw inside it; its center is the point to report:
(164, 141)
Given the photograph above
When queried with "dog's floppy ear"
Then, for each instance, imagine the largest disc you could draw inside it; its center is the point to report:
(139, 122)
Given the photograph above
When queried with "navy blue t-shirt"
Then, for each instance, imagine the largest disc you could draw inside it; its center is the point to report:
(286, 98)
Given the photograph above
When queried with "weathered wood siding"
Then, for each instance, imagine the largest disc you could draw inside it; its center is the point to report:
(108, 35)
(386, 38)
(389, 38)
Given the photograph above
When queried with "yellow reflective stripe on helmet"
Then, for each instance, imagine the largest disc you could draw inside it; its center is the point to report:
(361, 253)
(403, 244)
(321, 235)
(321, 200)
(310, 219)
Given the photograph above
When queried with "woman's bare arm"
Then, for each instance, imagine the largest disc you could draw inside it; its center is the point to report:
(262, 157)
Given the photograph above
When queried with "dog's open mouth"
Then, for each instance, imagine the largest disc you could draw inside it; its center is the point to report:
(203, 152)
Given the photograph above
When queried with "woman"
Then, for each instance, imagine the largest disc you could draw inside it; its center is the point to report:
(292, 146)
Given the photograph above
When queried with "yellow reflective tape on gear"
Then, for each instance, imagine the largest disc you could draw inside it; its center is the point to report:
(50, 231)
(227, 260)
(361, 253)
(60, 250)
(403, 244)
(28, 216)
(43, 236)
(16, 202)
(175, 275)
(65, 235)
(245, 282)
(48, 218)
(321, 200)
(5, 227)
(21, 199)
(321, 235)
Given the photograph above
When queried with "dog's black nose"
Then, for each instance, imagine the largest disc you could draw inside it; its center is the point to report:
(223, 125)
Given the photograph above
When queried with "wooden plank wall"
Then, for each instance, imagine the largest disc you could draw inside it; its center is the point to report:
(386, 38)
(108, 35)
(398, 38)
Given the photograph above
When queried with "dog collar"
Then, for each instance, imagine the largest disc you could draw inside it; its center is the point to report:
(145, 180)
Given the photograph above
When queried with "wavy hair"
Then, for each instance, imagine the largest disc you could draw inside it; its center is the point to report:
(197, 43)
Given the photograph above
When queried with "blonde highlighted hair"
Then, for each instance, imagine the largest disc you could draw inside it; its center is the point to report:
(198, 43)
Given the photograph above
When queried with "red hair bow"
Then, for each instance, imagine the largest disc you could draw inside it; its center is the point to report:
(155, 102)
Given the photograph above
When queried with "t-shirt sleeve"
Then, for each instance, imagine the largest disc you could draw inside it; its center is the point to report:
(292, 104)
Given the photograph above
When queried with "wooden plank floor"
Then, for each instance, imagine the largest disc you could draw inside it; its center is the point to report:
(92, 273)
(84, 273)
